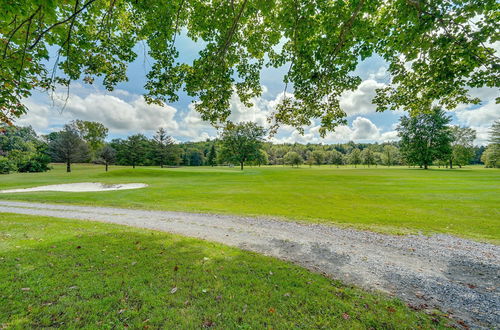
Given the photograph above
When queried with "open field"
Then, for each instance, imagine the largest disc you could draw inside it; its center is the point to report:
(58, 272)
(463, 202)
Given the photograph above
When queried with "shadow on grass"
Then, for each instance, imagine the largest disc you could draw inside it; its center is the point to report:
(114, 278)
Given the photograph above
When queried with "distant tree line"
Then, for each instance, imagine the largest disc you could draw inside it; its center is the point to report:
(426, 139)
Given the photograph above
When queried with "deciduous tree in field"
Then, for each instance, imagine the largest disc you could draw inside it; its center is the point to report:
(390, 155)
(318, 156)
(69, 147)
(293, 158)
(367, 156)
(335, 157)
(462, 145)
(355, 157)
(93, 133)
(309, 159)
(425, 137)
(262, 158)
(241, 142)
(108, 155)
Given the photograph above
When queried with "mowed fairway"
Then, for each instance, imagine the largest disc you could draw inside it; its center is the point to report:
(463, 202)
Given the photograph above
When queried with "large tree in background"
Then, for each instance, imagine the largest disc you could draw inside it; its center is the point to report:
(425, 137)
(436, 50)
(462, 145)
(92, 132)
(68, 147)
(22, 150)
(240, 143)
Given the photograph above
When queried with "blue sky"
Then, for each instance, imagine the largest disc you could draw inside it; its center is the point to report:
(124, 111)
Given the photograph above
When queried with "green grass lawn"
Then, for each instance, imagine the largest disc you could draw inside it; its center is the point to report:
(463, 202)
(72, 274)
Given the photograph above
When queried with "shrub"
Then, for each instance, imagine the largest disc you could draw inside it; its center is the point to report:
(6, 166)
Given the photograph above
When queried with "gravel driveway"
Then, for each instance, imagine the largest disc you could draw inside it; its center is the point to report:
(458, 276)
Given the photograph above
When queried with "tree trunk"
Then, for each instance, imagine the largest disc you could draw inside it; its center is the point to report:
(68, 166)
(425, 166)
(133, 165)
(241, 166)
(451, 164)
(106, 167)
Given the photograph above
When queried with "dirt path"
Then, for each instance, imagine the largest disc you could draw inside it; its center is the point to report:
(458, 276)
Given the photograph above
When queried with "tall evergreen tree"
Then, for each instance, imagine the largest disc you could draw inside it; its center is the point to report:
(164, 147)
(136, 149)
(212, 156)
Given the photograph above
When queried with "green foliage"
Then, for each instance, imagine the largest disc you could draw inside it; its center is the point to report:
(6, 165)
(319, 157)
(293, 158)
(212, 156)
(261, 159)
(462, 145)
(395, 200)
(390, 155)
(68, 147)
(334, 157)
(425, 137)
(107, 155)
(240, 143)
(355, 157)
(495, 132)
(165, 150)
(25, 151)
(436, 50)
(94, 133)
(194, 157)
(491, 156)
(367, 157)
(62, 273)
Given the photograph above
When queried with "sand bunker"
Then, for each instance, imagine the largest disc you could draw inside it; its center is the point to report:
(80, 187)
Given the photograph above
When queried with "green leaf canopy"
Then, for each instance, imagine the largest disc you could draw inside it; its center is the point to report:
(436, 51)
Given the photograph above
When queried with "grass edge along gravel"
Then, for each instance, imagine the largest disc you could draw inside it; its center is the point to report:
(59, 272)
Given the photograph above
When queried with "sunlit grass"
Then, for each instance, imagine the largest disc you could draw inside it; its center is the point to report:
(463, 202)
(58, 273)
